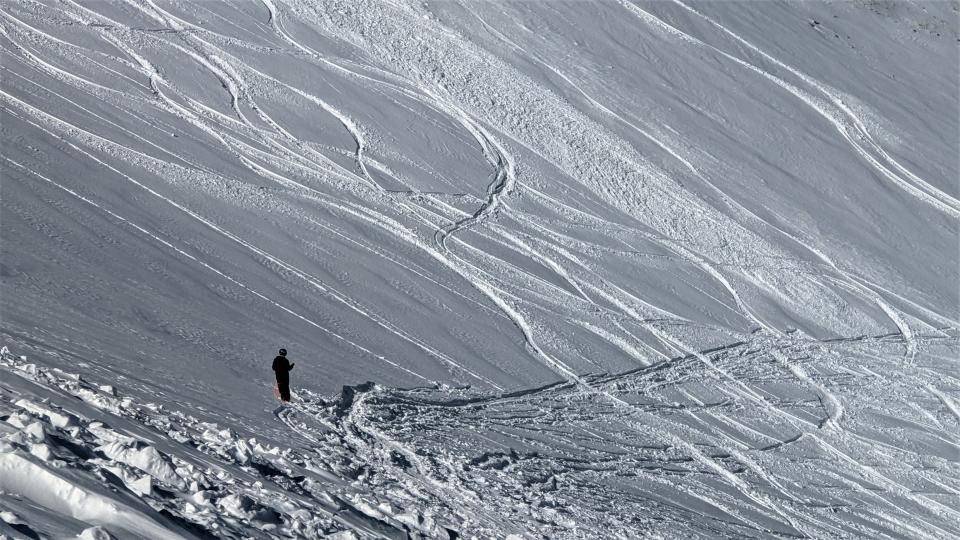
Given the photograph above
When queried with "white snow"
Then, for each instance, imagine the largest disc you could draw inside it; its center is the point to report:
(26, 478)
(612, 269)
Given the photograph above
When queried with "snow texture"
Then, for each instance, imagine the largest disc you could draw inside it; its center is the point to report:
(674, 269)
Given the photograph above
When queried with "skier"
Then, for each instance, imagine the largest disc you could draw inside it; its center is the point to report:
(282, 367)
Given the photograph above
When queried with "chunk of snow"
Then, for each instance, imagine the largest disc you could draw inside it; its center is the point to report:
(344, 535)
(36, 431)
(141, 486)
(17, 420)
(10, 517)
(42, 451)
(202, 497)
(57, 418)
(236, 505)
(21, 475)
(95, 533)
(147, 459)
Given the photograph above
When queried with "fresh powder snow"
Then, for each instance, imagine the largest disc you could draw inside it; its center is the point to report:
(610, 269)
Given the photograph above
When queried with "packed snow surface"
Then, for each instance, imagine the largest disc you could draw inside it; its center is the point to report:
(612, 269)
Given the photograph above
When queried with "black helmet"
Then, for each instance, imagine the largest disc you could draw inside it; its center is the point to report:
(283, 352)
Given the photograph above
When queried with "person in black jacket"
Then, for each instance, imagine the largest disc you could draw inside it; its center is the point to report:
(282, 367)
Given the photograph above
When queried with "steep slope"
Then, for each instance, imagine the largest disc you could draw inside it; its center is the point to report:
(716, 231)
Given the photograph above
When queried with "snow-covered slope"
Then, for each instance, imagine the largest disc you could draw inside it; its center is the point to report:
(675, 268)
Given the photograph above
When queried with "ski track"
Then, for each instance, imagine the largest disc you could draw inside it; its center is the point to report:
(834, 111)
(734, 205)
(311, 280)
(794, 509)
(708, 267)
(214, 270)
(713, 442)
(493, 203)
